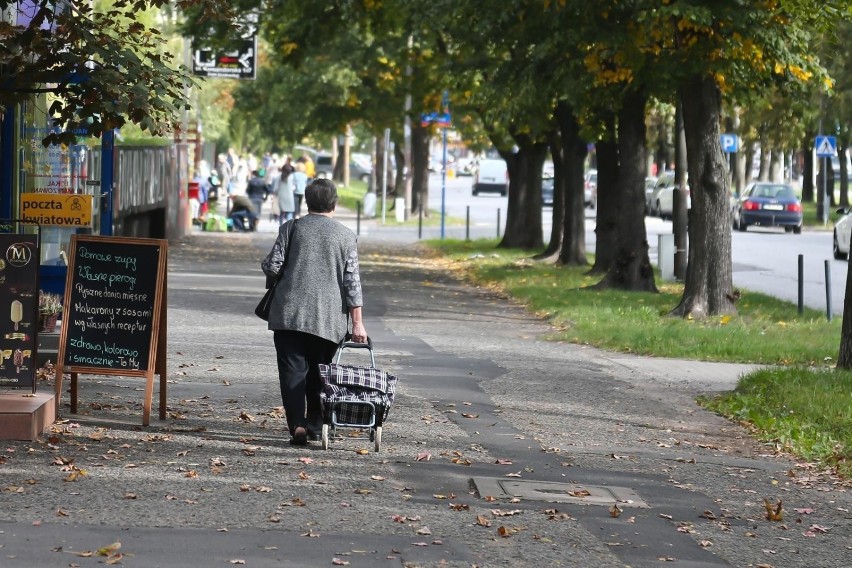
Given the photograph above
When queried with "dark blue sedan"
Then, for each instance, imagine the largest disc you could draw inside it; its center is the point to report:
(768, 204)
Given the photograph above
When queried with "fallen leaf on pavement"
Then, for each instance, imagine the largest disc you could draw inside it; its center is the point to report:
(614, 511)
(482, 521)
(423, 456)
(110, 549)
(773, 514)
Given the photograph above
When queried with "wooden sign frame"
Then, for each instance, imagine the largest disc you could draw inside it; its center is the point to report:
(156, 361)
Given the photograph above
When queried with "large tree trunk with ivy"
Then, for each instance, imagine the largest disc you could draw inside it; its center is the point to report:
(523, 218)
(708, 289)
(573, 250)
(631, 268)
(606, 228)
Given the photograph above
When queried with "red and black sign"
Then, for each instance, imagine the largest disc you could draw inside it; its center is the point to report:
(238, 63)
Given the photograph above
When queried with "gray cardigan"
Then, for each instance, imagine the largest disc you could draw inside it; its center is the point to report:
(321, 280)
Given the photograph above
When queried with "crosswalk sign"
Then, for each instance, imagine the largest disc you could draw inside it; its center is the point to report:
(826, 146)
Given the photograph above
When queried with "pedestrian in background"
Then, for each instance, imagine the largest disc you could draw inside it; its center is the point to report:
(283, 191)
(300, 182)
(243, 214)
(315, 301)
(257, 190)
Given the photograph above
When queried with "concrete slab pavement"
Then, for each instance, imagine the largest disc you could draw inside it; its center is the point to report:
(481, 397)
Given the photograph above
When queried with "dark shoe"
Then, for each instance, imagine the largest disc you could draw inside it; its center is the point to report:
(313, 436)
(300, 437)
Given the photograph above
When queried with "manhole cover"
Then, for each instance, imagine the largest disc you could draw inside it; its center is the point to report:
(551, 492)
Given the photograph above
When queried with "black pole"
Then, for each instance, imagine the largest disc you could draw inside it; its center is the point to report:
(358, 220)
(827, 291)
(498, 222)
(801, 284)
(467, 224)
(420, 221)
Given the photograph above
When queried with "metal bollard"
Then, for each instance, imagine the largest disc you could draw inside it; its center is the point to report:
(358, 219)
(467, 225)
(801, 284)
(827, 290)
(420, 222)
(498, 222)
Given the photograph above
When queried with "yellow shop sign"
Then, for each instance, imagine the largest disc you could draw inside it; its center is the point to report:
(57, 209)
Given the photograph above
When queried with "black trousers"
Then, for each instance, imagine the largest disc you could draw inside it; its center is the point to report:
(299, 356)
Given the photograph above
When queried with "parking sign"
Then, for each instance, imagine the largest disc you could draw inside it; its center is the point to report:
(730, 143)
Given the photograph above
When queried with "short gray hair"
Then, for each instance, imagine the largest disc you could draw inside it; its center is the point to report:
(321, 196)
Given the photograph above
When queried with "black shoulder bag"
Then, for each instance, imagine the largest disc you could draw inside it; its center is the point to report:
(262, 309)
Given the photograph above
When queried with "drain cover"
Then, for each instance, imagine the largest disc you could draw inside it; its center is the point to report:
(558, 492)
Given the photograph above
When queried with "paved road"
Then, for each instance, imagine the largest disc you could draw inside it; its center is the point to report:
(495, 438)
(764, 260)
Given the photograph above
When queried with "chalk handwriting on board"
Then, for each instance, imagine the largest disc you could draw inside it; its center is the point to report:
(112, 305)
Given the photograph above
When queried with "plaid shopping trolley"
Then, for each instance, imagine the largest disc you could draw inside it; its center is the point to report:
(355, 396)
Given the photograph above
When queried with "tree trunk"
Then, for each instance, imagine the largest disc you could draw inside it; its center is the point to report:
(708, 289)
(844, 175)
(631, 268)
(807, 170)
(523, 218)
(558, 213)
(609, 190)
(776, 166)
(573, 251)
(420, 163)
(844, 360)
(680, 211)
(399, 174)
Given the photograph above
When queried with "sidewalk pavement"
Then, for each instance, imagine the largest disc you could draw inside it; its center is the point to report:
(501, 449)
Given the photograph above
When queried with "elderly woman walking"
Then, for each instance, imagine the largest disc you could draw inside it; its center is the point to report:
(316, 300)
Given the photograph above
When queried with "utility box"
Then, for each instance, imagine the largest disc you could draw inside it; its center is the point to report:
(665, 256)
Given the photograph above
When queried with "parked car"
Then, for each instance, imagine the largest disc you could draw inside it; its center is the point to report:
(650, 182)
(358, 168)
(590, 189)
(492, 176)
(768, 204)
(842, 229)
(662, 199)
(547, 187)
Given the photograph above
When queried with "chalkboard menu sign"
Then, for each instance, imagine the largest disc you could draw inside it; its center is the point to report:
(114, 307)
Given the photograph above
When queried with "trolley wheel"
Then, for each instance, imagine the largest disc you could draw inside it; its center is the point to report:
(325, 436)
(378, 438)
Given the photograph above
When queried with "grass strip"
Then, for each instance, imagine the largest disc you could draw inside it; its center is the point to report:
(765, 331)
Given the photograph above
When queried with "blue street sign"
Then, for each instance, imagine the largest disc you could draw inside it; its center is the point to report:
(730, 143)
(443, 120)
(826, 146)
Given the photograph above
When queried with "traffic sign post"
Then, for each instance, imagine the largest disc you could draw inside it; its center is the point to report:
(443, 120)
(825, 147)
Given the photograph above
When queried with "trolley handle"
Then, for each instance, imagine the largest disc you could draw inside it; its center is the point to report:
(347, 344)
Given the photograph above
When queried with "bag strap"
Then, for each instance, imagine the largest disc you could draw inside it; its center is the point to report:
(291, 230)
